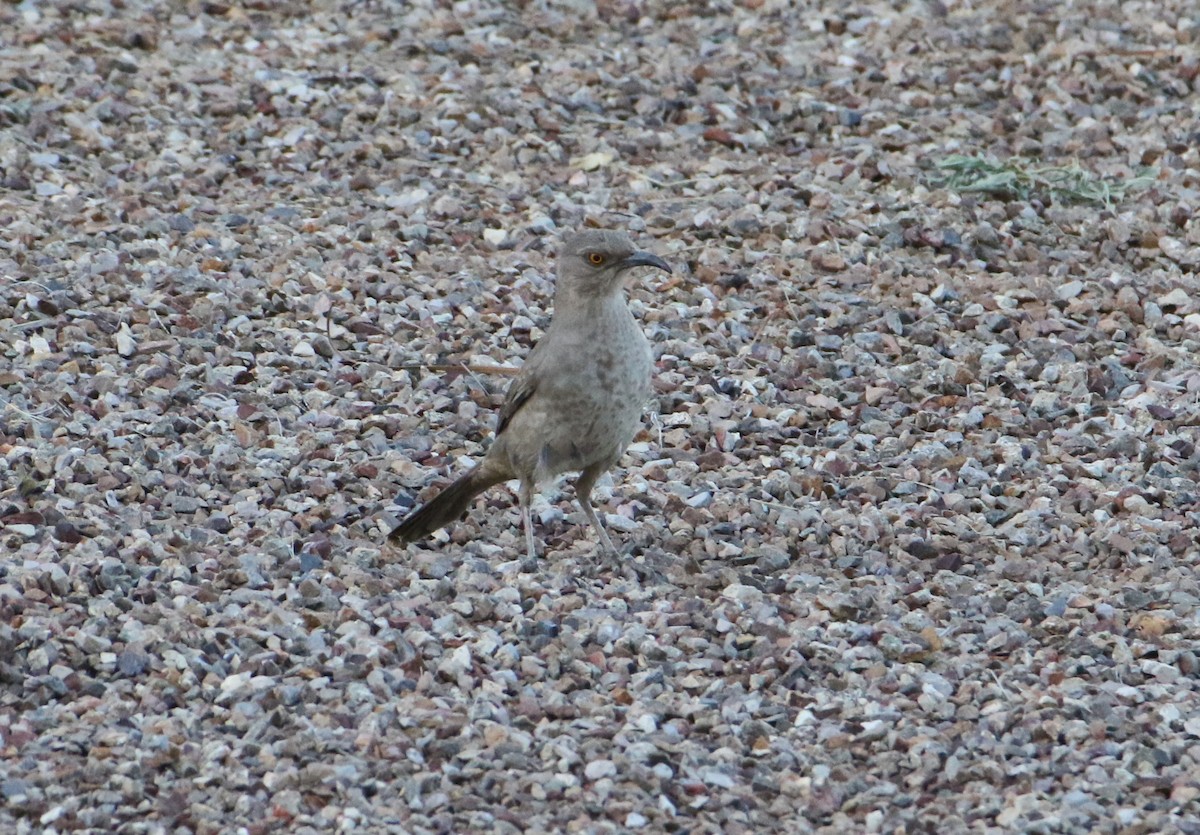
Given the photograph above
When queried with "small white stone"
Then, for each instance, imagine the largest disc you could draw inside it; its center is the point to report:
(408, 200)
(743, 594)
(1070, 290)
(598, 769)
(1176, 298)
(126, 344)
(235, 682)
(1163, 672)
(456, 663)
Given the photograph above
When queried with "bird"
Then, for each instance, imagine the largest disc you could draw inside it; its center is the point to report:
(576, 403)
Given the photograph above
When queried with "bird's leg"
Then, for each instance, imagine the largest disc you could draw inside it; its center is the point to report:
(583, 494)
(525, 496)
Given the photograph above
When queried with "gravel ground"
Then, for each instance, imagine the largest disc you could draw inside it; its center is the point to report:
(923, 484)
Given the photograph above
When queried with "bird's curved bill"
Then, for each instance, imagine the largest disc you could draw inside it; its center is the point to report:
(646, 259)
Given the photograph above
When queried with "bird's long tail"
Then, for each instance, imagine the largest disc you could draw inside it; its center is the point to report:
(448, 505)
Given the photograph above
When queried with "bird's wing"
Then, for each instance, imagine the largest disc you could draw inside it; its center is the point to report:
(521, 388)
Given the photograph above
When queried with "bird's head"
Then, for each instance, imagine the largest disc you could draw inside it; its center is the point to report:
(596, 261)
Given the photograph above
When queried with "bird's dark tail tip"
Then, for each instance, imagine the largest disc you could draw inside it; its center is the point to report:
(446, 507)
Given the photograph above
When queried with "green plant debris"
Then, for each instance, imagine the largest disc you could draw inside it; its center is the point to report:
(1015, 179)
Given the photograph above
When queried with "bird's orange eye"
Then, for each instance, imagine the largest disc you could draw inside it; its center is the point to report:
(595, 259)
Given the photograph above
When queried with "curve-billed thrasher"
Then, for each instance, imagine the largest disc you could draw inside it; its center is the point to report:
(576, 403)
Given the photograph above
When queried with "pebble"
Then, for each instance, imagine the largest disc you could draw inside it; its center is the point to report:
(599, 769)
